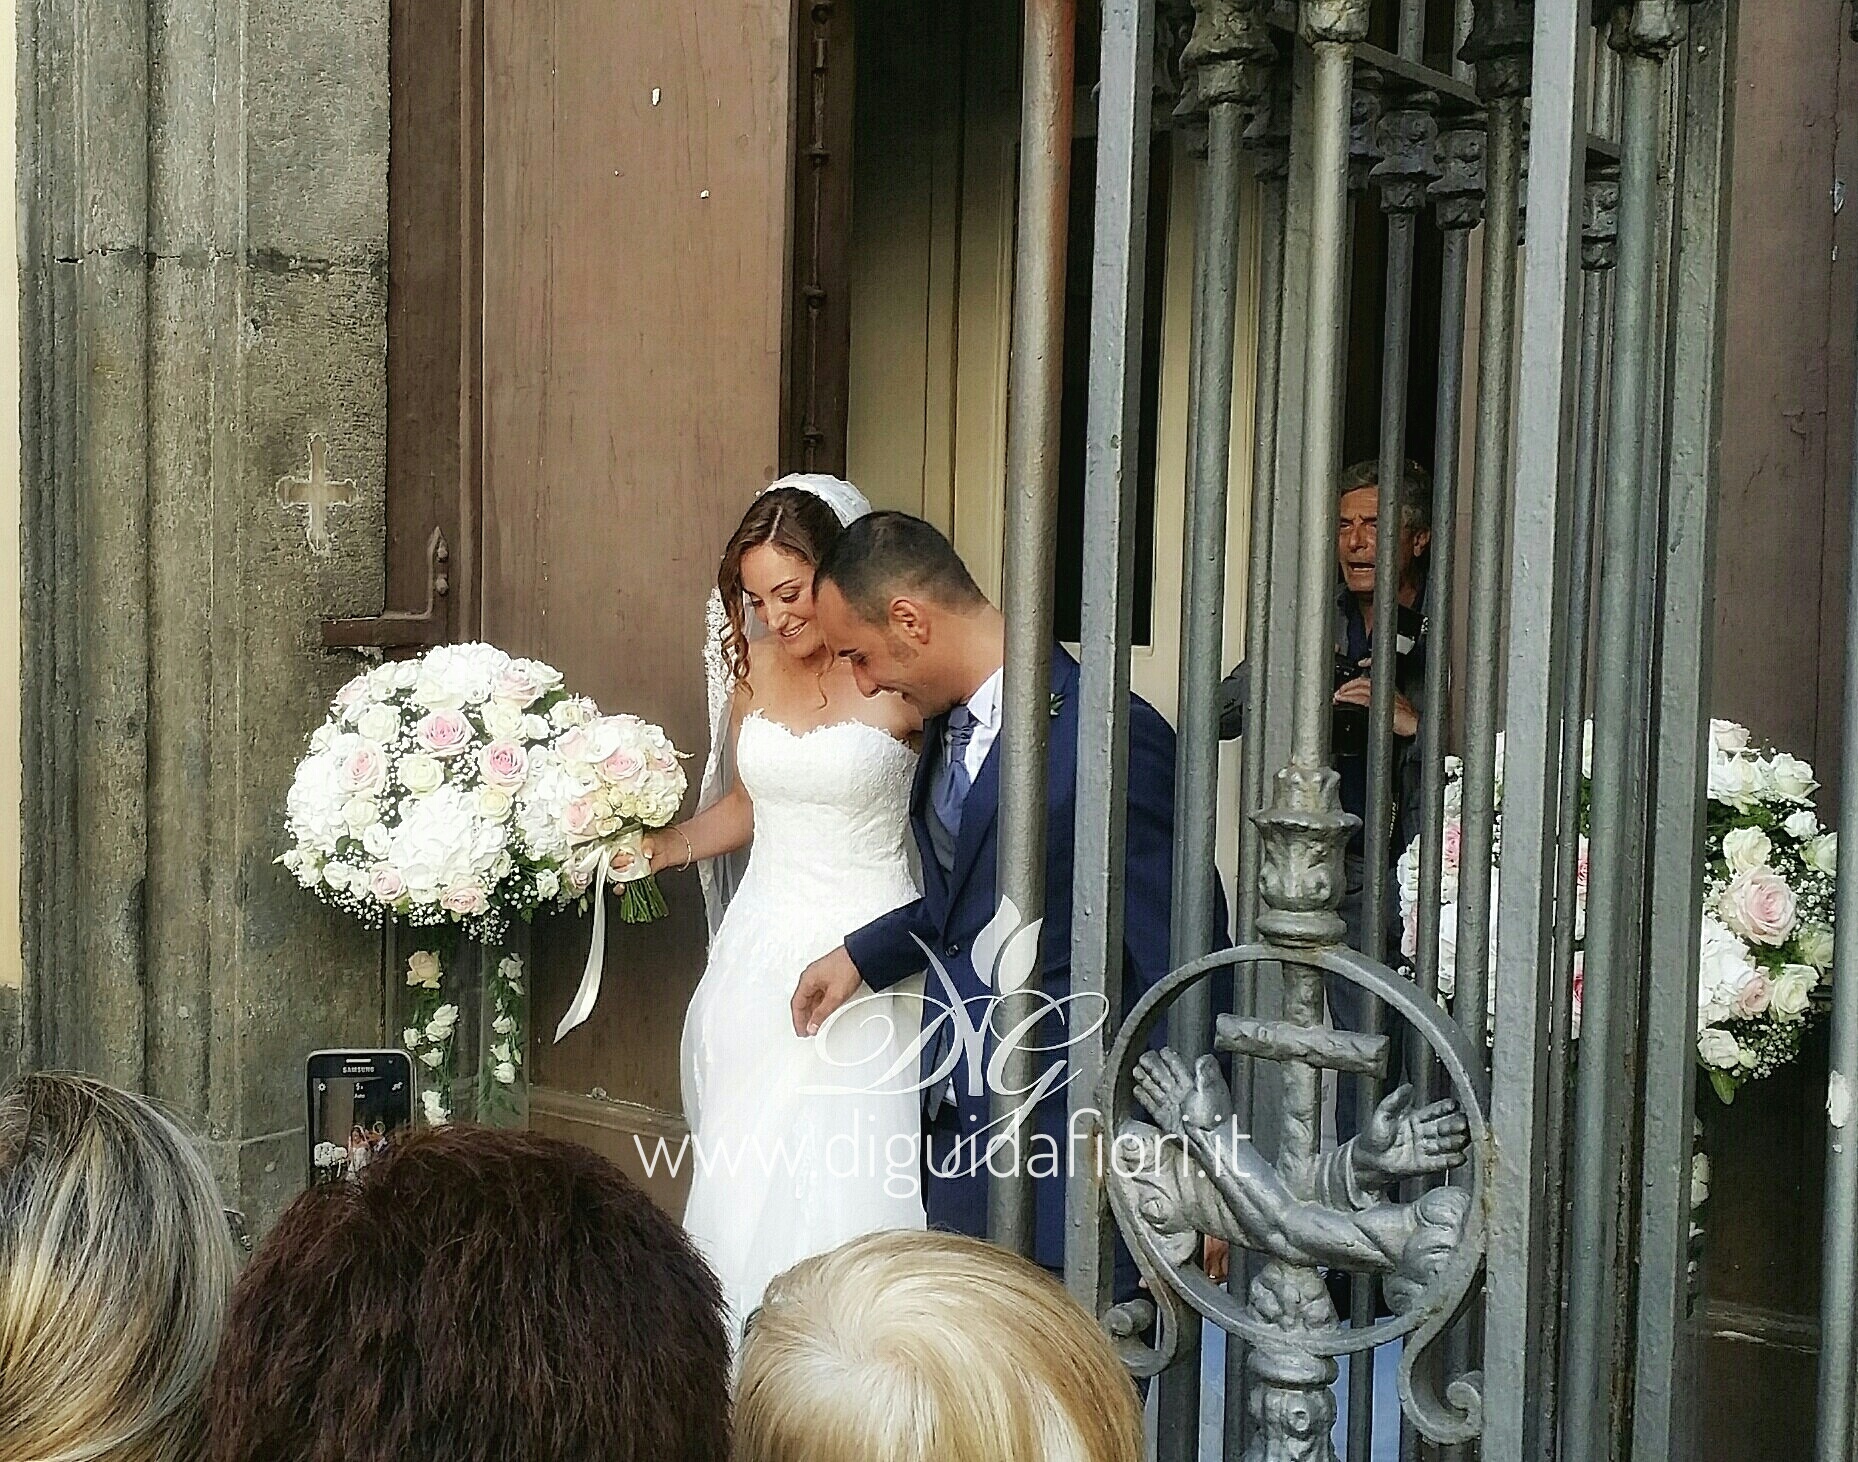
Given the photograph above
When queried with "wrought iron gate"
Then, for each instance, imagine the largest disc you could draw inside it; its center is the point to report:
(1531, 1239)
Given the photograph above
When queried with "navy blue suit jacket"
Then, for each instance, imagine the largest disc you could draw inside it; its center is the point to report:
(956, 906)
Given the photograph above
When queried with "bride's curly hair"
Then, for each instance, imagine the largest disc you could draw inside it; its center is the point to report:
(788, 518)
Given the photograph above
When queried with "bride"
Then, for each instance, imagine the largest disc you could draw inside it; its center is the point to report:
(797, 1144)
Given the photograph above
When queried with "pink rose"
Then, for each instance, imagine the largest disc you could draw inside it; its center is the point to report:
(1752, 999)
(387, 885)
(443, 733)
(364, 770)
(515, 686)
(623, 765)
(466, 899)
(1759, 906)
(1580, 869)
(578, 817)
(504, 764)
(1453, 845)
(574, 745)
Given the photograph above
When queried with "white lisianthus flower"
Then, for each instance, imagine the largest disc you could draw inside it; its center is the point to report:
(500, 1051)
(1802, 825)
(421, 774)
(1699, 1179)
(435, 1108)
(505, 1073)
(379, 723)
(503, 1025)
(537, 728)
(1789, 778)
(1587, 749)
(1821, 854)
(1727, 737)
(375, 839)
(1793, 989)
(322, 738)
(432, 1059)
(547, 883)
(1717, 1048)
(410, 1038)
(1746, 848)
(510, 967)
(444, 1021)
(422, 970)
(1814, 943)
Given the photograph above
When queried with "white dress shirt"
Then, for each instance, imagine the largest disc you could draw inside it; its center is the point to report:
(984, 706)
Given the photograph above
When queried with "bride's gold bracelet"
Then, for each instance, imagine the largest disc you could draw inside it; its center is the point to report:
(690, 853)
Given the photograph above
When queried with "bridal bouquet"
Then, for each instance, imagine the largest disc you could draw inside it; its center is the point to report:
(405, 805)
(1768, 877)
(594, 794)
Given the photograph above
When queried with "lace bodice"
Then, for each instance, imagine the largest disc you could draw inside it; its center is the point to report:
(831, 815)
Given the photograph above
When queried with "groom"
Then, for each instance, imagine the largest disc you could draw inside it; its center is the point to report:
(896, 602)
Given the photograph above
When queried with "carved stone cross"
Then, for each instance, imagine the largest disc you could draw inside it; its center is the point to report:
(318, 493)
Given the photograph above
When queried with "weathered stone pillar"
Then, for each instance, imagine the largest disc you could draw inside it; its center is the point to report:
(204, 246)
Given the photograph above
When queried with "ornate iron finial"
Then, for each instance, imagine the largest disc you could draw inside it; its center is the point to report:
(1364, 121)
(1647, 28)
(1304, 832)
(1338, 22)
(1231, 52)
(1458, 191)
(1499, 47)
(1600, 222)
(1408, 142)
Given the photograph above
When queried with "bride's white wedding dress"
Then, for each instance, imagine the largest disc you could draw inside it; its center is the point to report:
(799, 1144)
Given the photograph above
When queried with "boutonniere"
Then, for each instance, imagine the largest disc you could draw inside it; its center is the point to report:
(1057, 706)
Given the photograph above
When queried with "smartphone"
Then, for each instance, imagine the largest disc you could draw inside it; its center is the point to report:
(360, 1105)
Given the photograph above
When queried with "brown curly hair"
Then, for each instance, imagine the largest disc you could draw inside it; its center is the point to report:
(788, 518)
(474, 1296)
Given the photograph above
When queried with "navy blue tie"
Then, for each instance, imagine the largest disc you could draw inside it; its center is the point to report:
(954, 783)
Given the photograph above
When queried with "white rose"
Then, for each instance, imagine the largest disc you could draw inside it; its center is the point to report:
(340, 876)
(432, 1058)
(435, 1108)
(1746, 849)
(1734, 781)
(410, 1038)
(494, 803)
(375, 840)
(1814, 942)
(406, 674)
(1802, 824)
(379, 723)
(1793, 989)
(546, 677)
(547, 883)
(436, 693)
(1727, 737)
(361, 814)
(1716, 1047)
(1789, 778)
(1821, 854)
(422, 970)
(383, 681)
(536, 728)
(505, 1073)
(421, 774)
(503, 721)
(1759, 906)
(574, 711)
(1724, 968)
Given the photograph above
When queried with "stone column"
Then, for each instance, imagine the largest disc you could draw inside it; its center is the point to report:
(204, 246)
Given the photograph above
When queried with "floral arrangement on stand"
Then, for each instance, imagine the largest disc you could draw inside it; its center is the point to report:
(454, 795)
(1768, 877)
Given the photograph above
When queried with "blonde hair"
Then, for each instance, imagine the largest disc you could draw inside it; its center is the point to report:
(116, 1265)
(929, 1347)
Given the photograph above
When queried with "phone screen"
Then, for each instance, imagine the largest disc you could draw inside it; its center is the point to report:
(360, 1105)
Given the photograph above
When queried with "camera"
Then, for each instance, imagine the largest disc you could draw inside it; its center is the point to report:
(1348, 725)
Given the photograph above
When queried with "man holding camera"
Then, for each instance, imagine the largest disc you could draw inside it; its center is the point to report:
(1357, 530)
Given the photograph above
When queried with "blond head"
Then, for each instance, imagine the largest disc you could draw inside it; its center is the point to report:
(116, 1264)
(914, 1347)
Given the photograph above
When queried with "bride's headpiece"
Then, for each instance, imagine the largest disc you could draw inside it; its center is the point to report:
(720, 875)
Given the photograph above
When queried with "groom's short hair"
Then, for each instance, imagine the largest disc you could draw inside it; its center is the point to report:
(883, 555)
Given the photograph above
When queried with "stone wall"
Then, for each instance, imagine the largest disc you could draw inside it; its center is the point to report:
(204, 225)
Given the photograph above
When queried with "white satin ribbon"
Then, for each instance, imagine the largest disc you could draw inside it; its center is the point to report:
(582, 1005)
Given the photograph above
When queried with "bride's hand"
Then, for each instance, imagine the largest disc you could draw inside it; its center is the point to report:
(824, 986)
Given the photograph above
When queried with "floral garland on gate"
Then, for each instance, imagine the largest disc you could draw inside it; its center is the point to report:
(459, 792)
(1769, 877)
